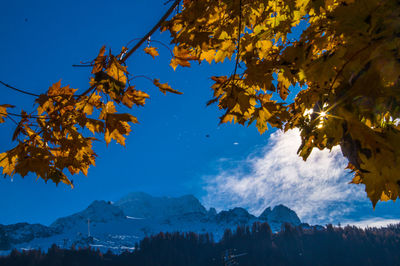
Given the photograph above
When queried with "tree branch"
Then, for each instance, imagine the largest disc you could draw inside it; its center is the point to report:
(158, 25)
(19, 90)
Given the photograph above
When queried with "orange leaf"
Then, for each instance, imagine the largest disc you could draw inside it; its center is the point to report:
(99, 61)
(151, 51)
(7, 162)
(57, 90)
(164, 87)
(182, 57)
(116, 71)
(208, 56)
(3, 111)
(132, 96)
(283, 86)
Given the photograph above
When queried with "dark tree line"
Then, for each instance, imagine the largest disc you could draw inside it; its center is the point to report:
(256, 245)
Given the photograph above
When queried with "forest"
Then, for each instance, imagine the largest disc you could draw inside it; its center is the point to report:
(255, 245)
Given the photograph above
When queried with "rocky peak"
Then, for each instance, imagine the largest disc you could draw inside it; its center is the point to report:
(264, 215)
(212, 211)
(234, 216)
(280, 214)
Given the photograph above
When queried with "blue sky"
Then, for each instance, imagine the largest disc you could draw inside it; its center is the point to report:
(178, 147)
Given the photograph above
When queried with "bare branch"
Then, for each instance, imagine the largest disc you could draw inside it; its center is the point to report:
(19, 90)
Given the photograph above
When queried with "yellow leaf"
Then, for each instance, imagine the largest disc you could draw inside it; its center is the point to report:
(125, 117)
(109, 108)
(56, 90)
(117, 133)
(182, 57)
(88, 102)
(208, 56)
(151, 51)
(164, 87)
(175, 62)
(220, 56)
(116, 71)
(263, 116)
(283, 86)
(94, 125)
(7, 161)
(132, 96)
(99, 61)
(3, 111)
(264, 47)
(117, 126)
(176, 27)
(226, 118)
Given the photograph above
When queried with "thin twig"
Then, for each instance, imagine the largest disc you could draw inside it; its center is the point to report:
(163, 44)
(12, 119)
(27, 116)
(238, 39)
(141, 76)
(88, 99)
(129, 43)
(19, 90)
(87, 91)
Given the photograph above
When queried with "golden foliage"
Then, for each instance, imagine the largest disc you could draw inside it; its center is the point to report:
(55, 139)
(348, 57)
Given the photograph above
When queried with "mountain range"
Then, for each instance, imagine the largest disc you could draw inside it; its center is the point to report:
(119, 225)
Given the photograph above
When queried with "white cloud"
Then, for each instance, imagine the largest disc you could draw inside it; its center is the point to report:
(373, 222)
(317, 189)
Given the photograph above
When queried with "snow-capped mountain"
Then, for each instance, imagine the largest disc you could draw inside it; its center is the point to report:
(22, 233)
(97, 212)
(118, 226)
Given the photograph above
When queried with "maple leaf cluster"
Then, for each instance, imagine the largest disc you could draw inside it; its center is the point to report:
(56, 139)
(347, 60)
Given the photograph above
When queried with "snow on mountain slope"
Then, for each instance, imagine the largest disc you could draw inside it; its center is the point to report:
(99, 211)
(118, 226)
(22, 232)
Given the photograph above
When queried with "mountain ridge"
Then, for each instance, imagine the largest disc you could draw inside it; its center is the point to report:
(119, 225)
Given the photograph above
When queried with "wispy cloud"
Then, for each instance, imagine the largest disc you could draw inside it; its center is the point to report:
(373, 222)
(317, 189)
